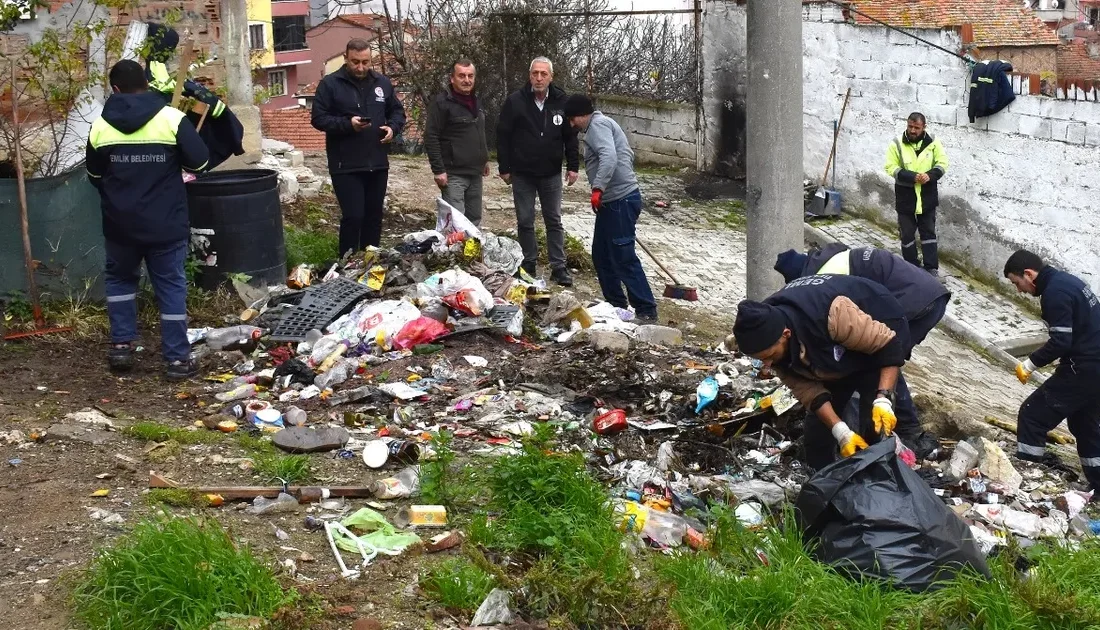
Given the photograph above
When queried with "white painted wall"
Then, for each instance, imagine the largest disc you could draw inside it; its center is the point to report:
(659, 132)
(1028, 176)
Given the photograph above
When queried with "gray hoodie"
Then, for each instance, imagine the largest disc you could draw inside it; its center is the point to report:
(608, 159)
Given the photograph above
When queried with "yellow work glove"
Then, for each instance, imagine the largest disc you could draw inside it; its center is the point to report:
(882, 414)
(849, 440)
(1024, 370)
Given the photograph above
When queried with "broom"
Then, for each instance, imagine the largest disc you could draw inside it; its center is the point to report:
(676, 291)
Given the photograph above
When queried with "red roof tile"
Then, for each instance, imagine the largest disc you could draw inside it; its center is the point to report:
(996, 22)
(293, 126)
(1074, 62)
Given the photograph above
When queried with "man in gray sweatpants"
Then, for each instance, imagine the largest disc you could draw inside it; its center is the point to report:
(617, 202)
(454, 139)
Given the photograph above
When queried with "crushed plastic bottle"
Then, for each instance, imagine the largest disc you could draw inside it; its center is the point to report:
(283, 503)
(240, 392)
(323, 348)
(242, 338)
(341, 372)
(404, 484)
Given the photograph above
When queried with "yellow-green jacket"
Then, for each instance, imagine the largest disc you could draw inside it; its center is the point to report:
(904, 161)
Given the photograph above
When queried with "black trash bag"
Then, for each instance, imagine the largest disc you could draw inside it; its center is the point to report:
(871, 516)
(298, 371)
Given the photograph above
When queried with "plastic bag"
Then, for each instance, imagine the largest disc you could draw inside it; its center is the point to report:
(418, 331)
(449, 284)
(368, 319)
(500, 253)
(449, 220)
(381, 535)
(870, 516)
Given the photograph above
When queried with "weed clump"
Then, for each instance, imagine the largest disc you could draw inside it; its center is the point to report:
(175, 573)
(288, 469)
(156, 432)
(457, 584)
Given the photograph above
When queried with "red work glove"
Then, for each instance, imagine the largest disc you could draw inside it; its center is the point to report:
(597, 195)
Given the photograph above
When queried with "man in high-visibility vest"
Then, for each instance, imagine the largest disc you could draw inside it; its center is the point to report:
(917, 161)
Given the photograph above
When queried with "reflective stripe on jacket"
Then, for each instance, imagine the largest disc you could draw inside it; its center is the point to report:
(904, 161)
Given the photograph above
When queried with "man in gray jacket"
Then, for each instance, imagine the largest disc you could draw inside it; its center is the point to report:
(454, 139)
(617, 202)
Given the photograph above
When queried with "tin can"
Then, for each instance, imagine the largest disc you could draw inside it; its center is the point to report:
(421, 516)
(404, 451)
(612, 422)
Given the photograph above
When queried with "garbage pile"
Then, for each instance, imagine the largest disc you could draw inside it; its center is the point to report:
(370, 358)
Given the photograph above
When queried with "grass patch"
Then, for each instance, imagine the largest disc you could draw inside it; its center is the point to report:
(730, 587)
(255, 443)
(457, 584)
(175, 573)
(549, 512)
(310, 247)
(286, 468)
(174, 497)
(443, 482)
(156, 432)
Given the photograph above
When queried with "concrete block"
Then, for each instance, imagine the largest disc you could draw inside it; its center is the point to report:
(1030, 105)
(896, 73)
(1035, 127)
(855, 51)
(939, 114)
(932, 94)
(927, 75)
(956, 95)
(867, 70)
(1087, 111)
(1092, 135)
(1005, 122)
(608, 340)
(659, 335)
(1058, 130)
(1075, 132)
(898, 39)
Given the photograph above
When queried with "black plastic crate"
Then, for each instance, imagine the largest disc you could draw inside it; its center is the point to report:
(320, 306)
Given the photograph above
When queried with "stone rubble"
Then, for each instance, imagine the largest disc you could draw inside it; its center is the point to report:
(295, 178)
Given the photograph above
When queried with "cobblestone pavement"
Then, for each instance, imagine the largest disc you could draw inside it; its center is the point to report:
(992, 316)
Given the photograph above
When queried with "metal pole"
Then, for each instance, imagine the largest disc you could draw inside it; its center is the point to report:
(588, 42)
(698, 17)
(774, 168)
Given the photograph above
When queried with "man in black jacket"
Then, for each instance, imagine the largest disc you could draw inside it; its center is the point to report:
(1072, 312)
(357, 109)
(532, 138)
(134, 157)
(454, 139)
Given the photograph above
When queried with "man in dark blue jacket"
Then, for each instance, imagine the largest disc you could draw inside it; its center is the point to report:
(922, 298)
(360, 114)
(828, 336)
(135, 153)
(1072, 314)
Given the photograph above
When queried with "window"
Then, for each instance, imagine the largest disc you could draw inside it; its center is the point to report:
(290, 33)
(276, 83)
(256, 37)
(1092, 15)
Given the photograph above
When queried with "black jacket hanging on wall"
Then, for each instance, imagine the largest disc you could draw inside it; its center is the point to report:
(990, 89)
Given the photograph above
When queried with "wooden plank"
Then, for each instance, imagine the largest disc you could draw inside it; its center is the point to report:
(187, 50)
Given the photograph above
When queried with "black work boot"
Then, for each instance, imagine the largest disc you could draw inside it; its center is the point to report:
(120, 357)
(562, 277)
(182, 370)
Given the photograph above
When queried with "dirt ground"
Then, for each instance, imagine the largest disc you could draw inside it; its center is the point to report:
(47, 535)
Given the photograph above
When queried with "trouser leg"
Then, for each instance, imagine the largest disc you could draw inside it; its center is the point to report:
(1056, 399)
(623, 217)
(121, 277)
(602, 259)
(919, 327)
(817, 441)
(926, 225)
(905, 410)
(166, 273)
(550, 200)
(454, 192)
(523, 196)
(351, 194)
(907, 226)
(472, 201)
(374, 185)
(1084, 424)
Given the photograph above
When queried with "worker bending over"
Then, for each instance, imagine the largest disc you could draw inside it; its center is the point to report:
(1070, 310)
(828, 336)
(922, 297)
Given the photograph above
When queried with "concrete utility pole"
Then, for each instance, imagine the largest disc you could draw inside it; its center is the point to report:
(238, 75)
(773, 139)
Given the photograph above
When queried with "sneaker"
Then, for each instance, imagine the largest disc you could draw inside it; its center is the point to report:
(120, 357)
(562, 277)
(648, 318)
(182, 370)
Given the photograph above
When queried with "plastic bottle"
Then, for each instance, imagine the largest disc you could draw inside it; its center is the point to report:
(242, 338)
(332, 358)
(404, 484)
(334, 376)
(322, 348)
(240, 392)
(283, 503)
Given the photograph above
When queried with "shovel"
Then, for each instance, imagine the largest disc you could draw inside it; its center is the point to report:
(676, 291)
(826, 202)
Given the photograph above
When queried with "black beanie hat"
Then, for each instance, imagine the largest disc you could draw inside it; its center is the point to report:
(757, 327)
(578, 105)
(790, 264)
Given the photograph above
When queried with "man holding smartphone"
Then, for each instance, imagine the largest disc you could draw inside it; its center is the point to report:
(360, 114)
